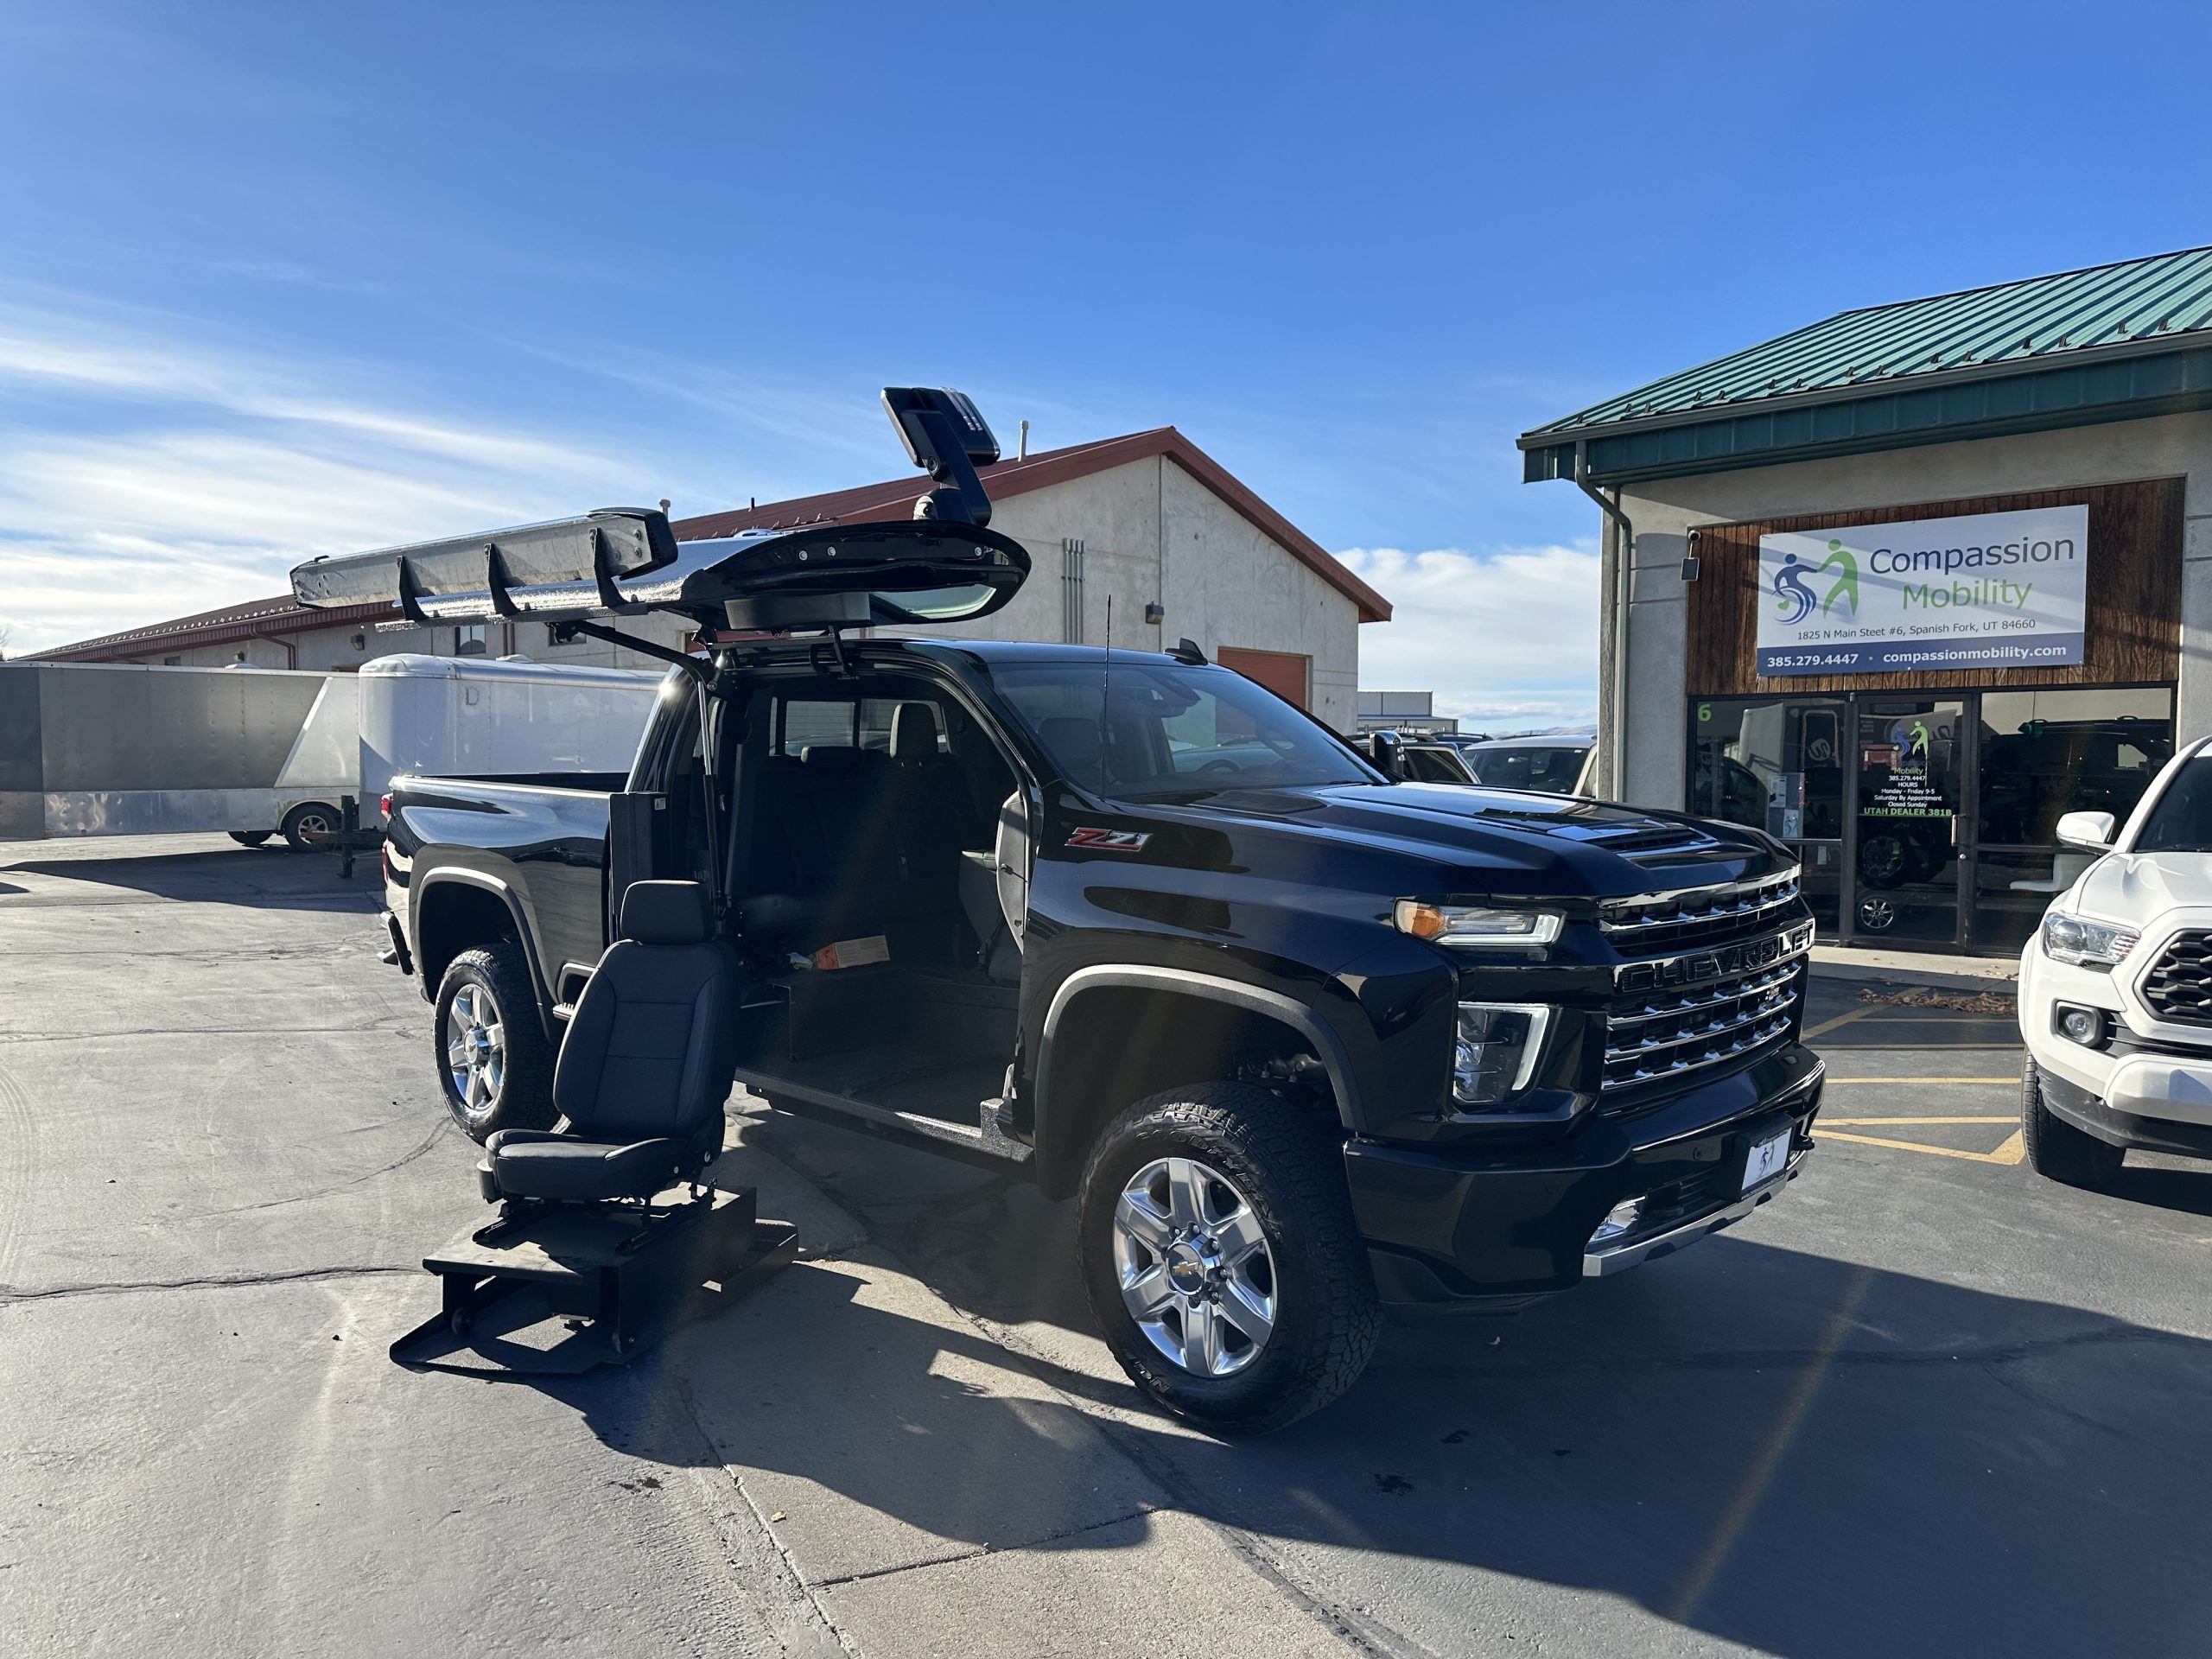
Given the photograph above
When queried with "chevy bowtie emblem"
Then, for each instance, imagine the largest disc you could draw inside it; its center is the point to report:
(1109, 841)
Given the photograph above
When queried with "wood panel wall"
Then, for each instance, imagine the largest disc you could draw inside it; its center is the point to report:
(2132, 618)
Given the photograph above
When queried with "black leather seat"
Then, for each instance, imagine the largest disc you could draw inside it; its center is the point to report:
(646, 1064)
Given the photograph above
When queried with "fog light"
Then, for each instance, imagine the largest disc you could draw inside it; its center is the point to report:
(2080, 1025)
(1621, 1218)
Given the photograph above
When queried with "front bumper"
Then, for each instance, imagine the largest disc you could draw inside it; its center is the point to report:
(1473, 1227)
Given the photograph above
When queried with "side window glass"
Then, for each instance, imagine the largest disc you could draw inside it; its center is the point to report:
(815, 724)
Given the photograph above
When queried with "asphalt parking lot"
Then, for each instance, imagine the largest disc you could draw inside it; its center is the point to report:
(1924, 1404)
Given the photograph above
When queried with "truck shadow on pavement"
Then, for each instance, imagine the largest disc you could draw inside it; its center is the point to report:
(1809, 1457)
(267, 877)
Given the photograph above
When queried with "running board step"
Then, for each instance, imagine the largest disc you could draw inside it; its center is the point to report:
(985, 1136)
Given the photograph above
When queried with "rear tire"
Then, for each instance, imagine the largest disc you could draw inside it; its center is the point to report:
(2055, 1149)
(251, 837)
(495, 1066)
(1224, 1173)
(309, 816)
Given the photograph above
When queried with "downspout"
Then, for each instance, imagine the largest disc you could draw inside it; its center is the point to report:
(1624, 577)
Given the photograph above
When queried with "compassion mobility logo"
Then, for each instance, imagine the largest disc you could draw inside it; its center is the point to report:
(1794, 596)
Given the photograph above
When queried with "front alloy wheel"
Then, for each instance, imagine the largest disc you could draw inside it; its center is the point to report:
(1196, 1274)
(1221, 1258)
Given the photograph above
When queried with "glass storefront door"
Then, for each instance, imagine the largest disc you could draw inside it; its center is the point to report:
(1913, 756)
(1778, 765)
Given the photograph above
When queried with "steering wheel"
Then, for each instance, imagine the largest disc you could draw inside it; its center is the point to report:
(1216, 768)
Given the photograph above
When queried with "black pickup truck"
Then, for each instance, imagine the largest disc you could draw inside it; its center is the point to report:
(1307, 1041)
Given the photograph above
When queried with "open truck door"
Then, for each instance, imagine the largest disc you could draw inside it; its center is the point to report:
(586, 1198)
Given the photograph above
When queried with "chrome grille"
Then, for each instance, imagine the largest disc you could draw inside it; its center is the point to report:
(2178, 987)
(1699, 916)
(1666, 1034)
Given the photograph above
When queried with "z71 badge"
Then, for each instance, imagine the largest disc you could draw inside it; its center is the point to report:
(1110, 840)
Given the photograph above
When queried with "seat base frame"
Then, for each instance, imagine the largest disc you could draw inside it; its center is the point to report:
(618, 1276)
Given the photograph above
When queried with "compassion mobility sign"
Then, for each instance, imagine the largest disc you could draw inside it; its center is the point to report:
(1990, 590)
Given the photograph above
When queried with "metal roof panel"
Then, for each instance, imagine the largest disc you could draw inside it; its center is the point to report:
(2036, 322)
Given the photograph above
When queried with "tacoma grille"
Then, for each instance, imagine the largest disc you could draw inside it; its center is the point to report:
(2178, 987)
(1668, 1033)
(1699, 916)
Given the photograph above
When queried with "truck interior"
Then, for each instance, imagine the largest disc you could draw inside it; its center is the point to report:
(871, 836)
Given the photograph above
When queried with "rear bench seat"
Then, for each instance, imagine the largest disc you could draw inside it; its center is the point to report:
(825, 849)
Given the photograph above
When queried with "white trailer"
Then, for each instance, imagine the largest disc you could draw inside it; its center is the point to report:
(100, 749)
(498, 719)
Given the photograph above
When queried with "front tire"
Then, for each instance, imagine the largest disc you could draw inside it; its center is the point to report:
(249, 837)
(1221, 1258)
(495, 1067)
(2055, 1149)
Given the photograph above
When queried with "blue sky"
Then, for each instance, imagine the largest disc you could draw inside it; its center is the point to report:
(279, 280)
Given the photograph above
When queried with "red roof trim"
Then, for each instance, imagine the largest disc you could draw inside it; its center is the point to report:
(894, 497)
(258, 619)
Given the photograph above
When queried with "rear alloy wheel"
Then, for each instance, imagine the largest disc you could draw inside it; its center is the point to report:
(494, 1065)
(2055, 1149)
(1221, 1258)
(309, 818)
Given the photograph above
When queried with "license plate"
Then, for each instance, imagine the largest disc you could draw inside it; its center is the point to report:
(1766, 1159)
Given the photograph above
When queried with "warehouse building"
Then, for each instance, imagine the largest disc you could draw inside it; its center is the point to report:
(1905, 585)
(1145, 534)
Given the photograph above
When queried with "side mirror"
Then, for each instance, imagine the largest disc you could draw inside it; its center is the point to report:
(1382, 750)
(2091, 831)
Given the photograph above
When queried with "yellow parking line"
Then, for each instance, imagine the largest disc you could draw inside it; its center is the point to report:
(1840, 1020)
(1827, 1123)
(2010, 1152)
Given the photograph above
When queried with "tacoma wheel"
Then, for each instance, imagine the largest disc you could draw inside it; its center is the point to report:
(2055, 1149)
(1221, 1257)
(494, 1065)
(309, 818)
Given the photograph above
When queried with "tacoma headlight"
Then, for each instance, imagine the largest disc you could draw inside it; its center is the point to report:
(1477, 924)
(1496, 1052)
(2084, 943)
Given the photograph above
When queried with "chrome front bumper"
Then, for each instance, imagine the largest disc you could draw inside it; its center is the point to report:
(1619, 1258)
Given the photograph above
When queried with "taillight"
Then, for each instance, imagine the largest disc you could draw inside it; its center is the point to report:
(383, 805)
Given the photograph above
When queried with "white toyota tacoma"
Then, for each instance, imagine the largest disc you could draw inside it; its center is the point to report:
(2116, 987)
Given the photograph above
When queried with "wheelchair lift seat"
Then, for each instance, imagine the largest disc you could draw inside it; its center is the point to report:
(640, 1083)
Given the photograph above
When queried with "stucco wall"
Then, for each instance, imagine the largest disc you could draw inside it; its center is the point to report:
(1663, 513)
(1226, 582)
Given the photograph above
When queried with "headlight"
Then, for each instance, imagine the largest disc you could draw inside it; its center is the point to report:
(2084, 943)
(1495, 1053)
(1477, 924)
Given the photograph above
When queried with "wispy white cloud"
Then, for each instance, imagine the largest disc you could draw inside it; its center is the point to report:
(1506, 638)
(145, 475)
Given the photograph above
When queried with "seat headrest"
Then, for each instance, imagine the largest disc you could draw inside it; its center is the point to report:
(1071, 741)
(913, 731)
(666, 912)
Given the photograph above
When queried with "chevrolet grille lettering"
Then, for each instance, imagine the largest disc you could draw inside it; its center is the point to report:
(1723, 962)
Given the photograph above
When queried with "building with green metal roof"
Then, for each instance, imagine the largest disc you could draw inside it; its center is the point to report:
(1906, 583)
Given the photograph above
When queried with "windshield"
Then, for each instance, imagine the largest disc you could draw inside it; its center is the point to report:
(2182, 821)
(1172, 732)
(1553, 770)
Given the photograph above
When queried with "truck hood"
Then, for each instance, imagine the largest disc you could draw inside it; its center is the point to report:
(1506, 841)
(2135, 887)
